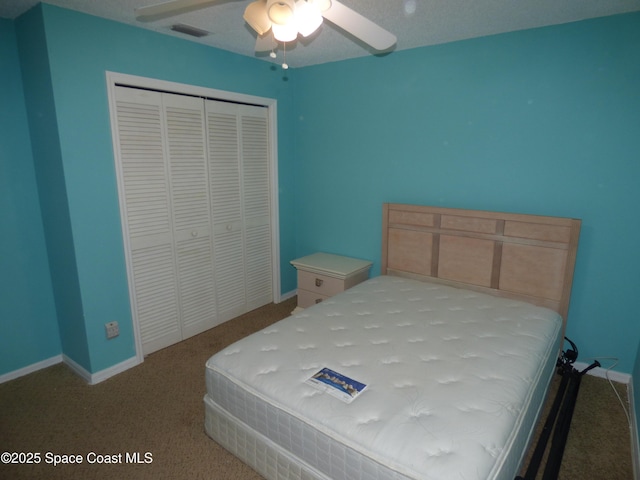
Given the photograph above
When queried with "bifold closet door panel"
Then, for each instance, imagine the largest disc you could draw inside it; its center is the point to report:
(257, 204)
(187, 155)
(226, 207)
(239, 166)
(148, 225)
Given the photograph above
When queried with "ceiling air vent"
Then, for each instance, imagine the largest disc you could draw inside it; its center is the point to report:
(189, 30)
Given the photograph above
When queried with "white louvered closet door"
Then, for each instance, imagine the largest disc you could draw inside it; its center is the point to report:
(256, 204)
(186, 147)
(239, 169)
(166, 195)
(195, 186)
(146, 189)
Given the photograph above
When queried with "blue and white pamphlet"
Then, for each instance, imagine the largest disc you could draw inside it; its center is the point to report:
(336, 384)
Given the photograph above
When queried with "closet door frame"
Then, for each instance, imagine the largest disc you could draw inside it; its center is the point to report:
(119, 79)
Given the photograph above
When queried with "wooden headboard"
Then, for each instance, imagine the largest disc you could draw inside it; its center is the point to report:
(525, 257)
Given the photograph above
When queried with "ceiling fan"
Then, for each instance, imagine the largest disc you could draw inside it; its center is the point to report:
(283, 20)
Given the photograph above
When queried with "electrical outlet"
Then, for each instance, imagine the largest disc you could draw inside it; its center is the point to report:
(112, 328)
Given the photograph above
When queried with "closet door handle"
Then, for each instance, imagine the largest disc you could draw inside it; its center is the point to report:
(229, 227)
(194, 233)
(319, 282)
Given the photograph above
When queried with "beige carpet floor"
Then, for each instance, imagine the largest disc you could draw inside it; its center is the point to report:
(154, 412)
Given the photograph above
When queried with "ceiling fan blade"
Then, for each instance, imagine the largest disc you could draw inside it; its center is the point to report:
(359, 26)
(171, 8)
(266, 42)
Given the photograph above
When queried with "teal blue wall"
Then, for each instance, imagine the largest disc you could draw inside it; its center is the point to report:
(64, 57)
(47, 158)
(27, 312)
(544, 121)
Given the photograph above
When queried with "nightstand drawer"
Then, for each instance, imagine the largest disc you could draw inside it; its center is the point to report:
(308, 299)
(321, 284)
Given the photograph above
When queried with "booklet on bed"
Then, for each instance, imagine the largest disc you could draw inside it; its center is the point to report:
(336, 384)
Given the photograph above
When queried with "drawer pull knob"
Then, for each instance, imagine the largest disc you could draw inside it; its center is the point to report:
(318, 300)
(319, 282)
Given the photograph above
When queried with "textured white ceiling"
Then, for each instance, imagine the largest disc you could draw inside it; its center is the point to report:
(414, 22)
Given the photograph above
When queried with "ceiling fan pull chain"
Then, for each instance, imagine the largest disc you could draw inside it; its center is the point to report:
(284, 57)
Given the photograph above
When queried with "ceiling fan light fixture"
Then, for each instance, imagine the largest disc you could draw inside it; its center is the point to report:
(307, 17)
(281, 12)
(284, 33)
(256, 16)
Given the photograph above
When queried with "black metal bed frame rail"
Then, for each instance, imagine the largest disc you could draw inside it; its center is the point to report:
(559, 419)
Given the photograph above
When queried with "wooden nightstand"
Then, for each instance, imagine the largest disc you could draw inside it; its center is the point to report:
(323, 275)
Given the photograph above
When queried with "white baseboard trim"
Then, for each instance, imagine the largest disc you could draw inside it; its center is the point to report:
(90, 378)
(77, 368)
(34, 367)
(288, 295)
(93, 378)
(114, 370)
(602, 373)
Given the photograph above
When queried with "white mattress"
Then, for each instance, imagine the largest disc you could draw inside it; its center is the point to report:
(455, 382)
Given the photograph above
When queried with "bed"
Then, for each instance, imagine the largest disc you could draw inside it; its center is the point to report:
(455, 342)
